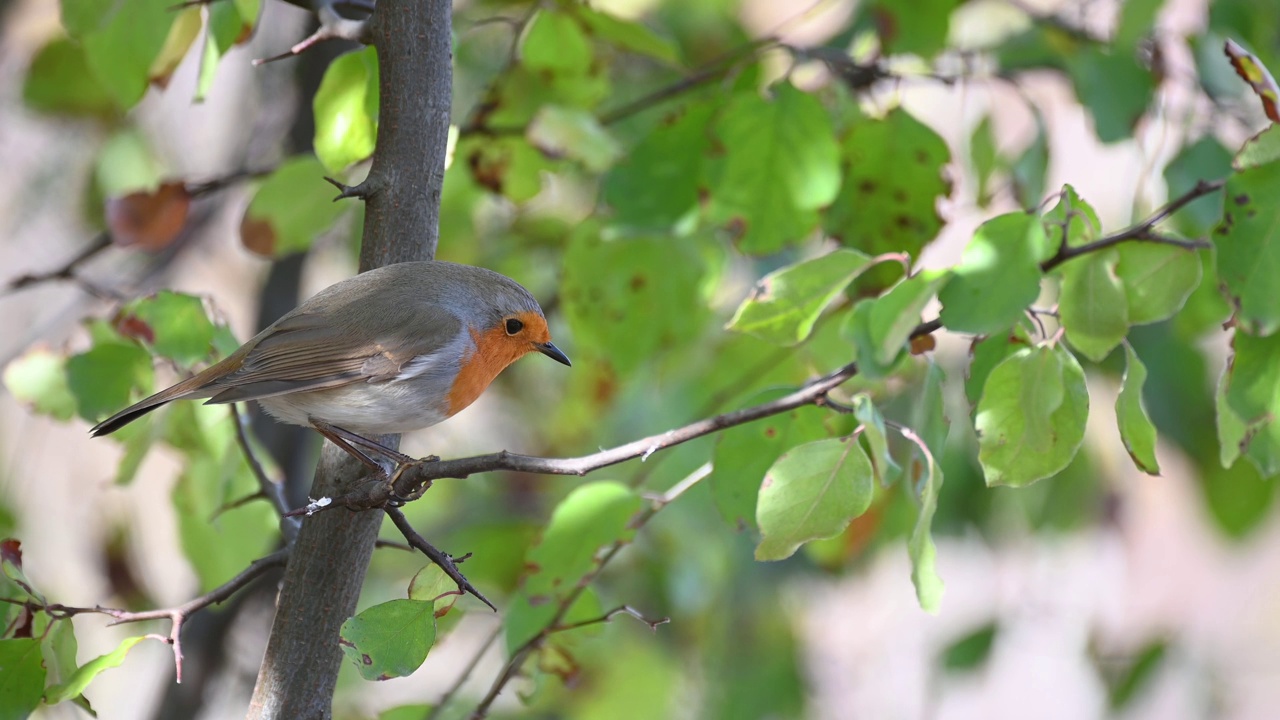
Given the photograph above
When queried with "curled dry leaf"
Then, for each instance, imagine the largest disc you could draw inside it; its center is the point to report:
(149, 220)
(1252, 71)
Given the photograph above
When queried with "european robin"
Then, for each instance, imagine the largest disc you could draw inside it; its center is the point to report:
(395, 349)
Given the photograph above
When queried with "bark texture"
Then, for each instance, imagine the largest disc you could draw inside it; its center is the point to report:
(327, 566)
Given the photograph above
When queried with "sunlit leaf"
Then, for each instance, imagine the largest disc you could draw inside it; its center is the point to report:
(786, 303)
(389, 640)
(177, 326)
(745, 453)
(998, 276)
(1136, 429)
(575, 134)
(345, 108)
(39, 379)
(1252, 379)
(1031, 417)
(777, 164)
(80, 679)
(812, 492)
(1093, 307)
(291, 207)
(628, 35)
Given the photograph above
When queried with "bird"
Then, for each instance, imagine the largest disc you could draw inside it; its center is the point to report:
(394, 349)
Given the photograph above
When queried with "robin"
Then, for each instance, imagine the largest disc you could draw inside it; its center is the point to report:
(395, 349)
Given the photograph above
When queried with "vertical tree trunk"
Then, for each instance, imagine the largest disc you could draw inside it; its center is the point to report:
(327, 566)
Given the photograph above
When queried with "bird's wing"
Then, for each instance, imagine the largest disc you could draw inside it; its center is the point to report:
(308, 351)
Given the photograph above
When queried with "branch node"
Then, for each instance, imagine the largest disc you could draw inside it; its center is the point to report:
(360, 191)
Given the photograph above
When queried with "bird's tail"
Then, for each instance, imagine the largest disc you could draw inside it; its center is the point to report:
(189, 388)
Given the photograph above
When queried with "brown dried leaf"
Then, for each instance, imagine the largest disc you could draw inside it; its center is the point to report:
(258, 236)
(149, 220)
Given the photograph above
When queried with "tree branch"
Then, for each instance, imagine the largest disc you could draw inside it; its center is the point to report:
(554, 625)
(413, 479)
(444, 560)
(1143, 231)
(176, 615)
(269, 489)
(333, 26)
(329, 559)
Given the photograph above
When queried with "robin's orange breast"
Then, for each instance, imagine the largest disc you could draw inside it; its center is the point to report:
(495, 350)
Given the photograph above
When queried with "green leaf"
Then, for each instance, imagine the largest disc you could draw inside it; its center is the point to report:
(1157, 280)
(920, 546)
(508, 166)
(106, 377)
(555, 42)
(893, 179)
(1248, 244)
(85, 674)
(812, 492)
(39, 379)
(1113, 86)
(1261, 149)
(916, 27)
(1031, 166)
(1233, 432)
(59, 81)
(1123, 690)
(1136, 428)
(389, 640)
(745, 453)
(1253, 376)
(1137, 21)
(1092, 306)
(873, 434)
(656, 183)
(1204, 159)
(779, 164)
(591, 517)
(987, 352)
(123, 46)
(893, 316)
(60, 651)
(983, 157)
(1073, 217)
(218, 542)
(22, 682)
(930, 425)
(177, 325)
(430, 583)
(632, 297)
(1031, 417)
(182, 34)
(575, 134)
(290, 208)
(998, 276)
(628, 35)
(126, 164)
(346, 110)
(786, 303)
(971, 650)
(406, 712)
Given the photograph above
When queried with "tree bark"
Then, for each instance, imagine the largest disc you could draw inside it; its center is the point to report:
(327, 566)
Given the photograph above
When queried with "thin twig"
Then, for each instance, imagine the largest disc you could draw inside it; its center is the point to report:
(271, 490)
(438, 709)
(444, 560)
(100, 242)
(1143, 231)
(554, 624)
(333, 26)
(176, 615)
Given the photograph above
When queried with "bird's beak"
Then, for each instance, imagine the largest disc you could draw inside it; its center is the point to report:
(553, 352)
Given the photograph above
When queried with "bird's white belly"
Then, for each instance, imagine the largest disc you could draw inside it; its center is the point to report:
(362, 408)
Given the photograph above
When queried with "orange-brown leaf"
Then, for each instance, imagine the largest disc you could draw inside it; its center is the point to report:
(149, 220)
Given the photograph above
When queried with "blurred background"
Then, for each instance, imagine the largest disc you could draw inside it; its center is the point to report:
(1103, 592)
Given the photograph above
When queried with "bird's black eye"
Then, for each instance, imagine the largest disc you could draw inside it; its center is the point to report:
(514, 326)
